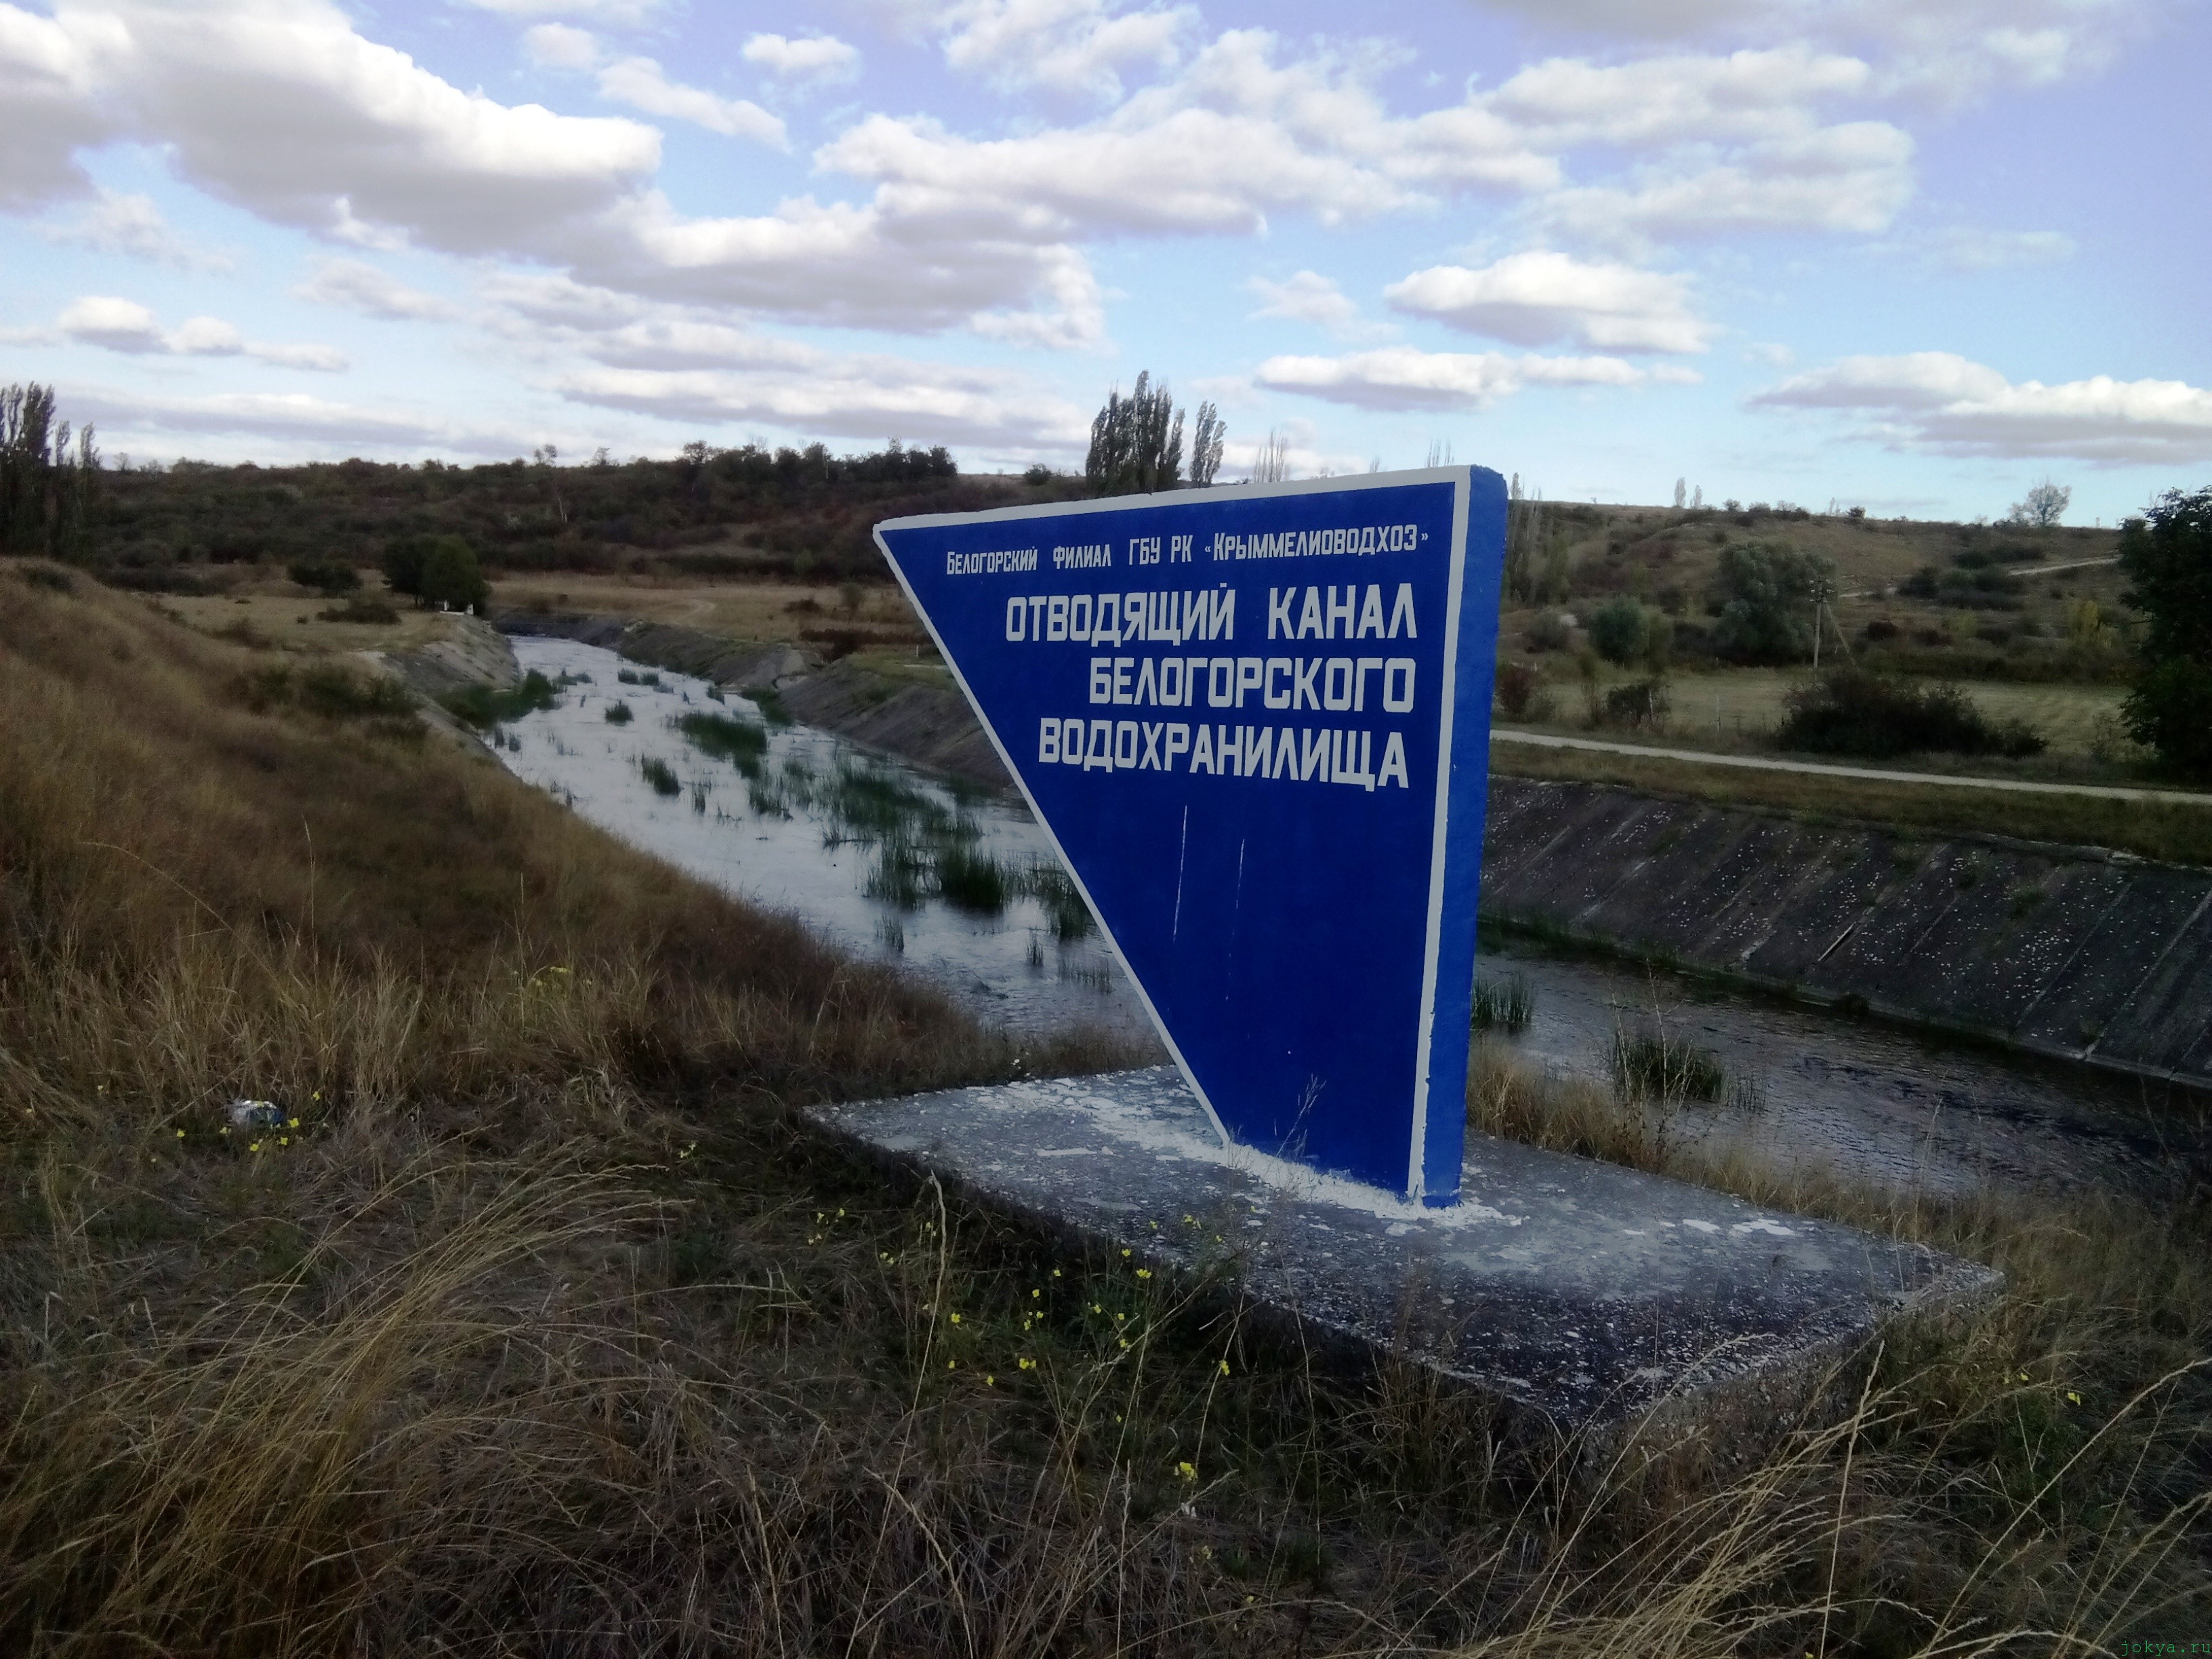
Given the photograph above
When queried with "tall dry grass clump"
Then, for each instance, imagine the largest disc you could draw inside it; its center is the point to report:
(523, 1321)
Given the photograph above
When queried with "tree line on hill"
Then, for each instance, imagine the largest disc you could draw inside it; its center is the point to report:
(747, 511)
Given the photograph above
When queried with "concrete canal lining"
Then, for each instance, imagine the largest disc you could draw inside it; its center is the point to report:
(2065, 952)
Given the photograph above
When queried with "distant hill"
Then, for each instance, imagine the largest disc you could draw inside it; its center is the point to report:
(729, 513)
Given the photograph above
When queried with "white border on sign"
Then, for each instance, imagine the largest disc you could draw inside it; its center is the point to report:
(1458, 476)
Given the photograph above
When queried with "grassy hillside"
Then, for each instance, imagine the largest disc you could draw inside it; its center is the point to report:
(524, 1322)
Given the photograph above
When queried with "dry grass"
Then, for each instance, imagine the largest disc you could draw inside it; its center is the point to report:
(2181, 834)
(2031, 1476)
(756, 610)
(540, 1331)
(1736, 710)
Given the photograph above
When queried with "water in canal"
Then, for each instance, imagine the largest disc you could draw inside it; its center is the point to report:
(891, 863)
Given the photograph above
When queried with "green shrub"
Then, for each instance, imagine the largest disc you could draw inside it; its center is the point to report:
(1517, 689)
(618, 714)
(660, 774)
(336, 692)
(1762, 598)
(1618, 629)
(483, 708)
(375, 612)
(1639, 704)
(1550, 632)
(1853, 711)
(329, 577)
(435, 569)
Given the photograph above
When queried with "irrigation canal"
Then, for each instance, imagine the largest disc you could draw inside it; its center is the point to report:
(961, 886)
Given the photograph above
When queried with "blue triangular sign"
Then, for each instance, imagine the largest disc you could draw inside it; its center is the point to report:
(1256, 722)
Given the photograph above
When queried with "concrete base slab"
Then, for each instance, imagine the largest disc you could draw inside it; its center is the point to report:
(1580, 1290)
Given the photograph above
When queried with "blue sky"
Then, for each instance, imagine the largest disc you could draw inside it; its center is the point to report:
(1914, 255)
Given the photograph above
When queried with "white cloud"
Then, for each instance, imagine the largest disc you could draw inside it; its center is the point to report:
(279, 106)
(1742, 96)
(313, 426)
(124, 325)
(132, 225)
(48, 70)
(1940, 50)
(373, 293)
(1537, 297)
(1232, 138)
(558, 46)
(1306, 297)
(860, 267)
(1716, 142)
(1063, 45)
(1973, 247)
(605, 11)
(1939, 401)
(118, 324)
(1850, 178)
(857, 397)
(640, 83)
(1402, 377)
(813, 56)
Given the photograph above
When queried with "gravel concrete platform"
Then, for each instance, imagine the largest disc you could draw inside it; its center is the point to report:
(1579, 1290)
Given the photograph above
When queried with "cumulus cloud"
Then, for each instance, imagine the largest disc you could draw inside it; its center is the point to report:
(1234, 137)
(372, 292)
(1851, 177)
(857, 396)
(1974, 247)
(1940, 401)
(280, 107)
(1538, 298)
(559, 46)
(1064, 45)
(124, 325)
(810, 58)
(1741, 96)
(49, 68)
(1402, 377)
(640, 83)
(1309, 297)
(605, 11)
(132, 225)
(1940, 50)
(307, 425)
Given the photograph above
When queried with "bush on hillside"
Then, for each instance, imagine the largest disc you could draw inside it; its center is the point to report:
(1764, 595)
(329, 577)
(1853, 711)
(1618, 628)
